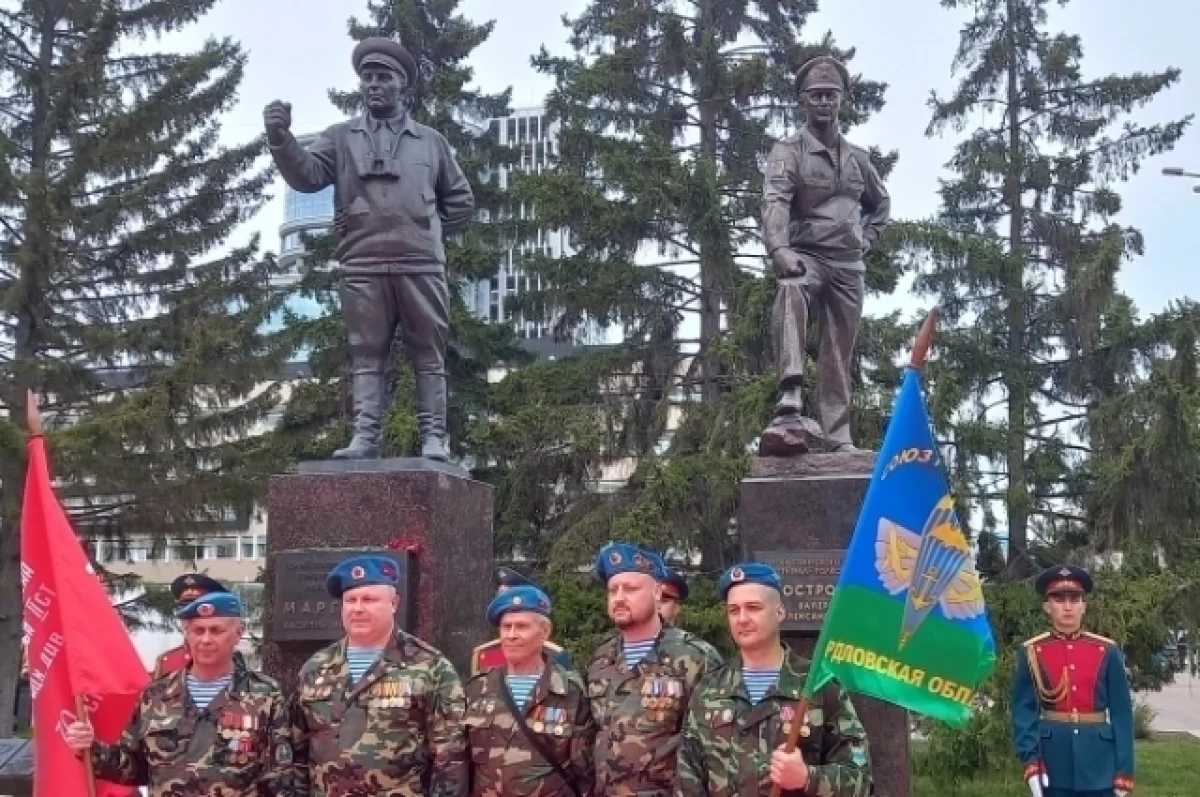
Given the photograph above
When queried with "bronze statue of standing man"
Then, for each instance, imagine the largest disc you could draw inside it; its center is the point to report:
(824, 206)
(397, 190)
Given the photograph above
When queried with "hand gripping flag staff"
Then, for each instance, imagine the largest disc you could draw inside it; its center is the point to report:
(82, 663)
(907, 622)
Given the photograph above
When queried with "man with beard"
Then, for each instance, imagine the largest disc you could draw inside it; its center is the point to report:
(640, 679)
(212, 729)
(378, 712)
(740, 715)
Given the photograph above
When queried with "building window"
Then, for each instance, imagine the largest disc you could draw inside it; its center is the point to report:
(299, 206)
(512, 131)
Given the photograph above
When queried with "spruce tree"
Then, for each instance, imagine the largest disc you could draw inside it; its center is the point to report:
(316, 421)
(1023, 257)
(667, 113)
(122, 308)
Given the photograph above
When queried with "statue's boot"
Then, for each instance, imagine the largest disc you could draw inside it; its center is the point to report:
(431, 415)
(791, 402)
(368, 410)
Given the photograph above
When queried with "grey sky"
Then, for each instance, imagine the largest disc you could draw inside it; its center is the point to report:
(299, 49)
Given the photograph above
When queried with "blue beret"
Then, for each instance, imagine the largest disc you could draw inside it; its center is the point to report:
(678, 582)
(748, 573)
(509, 578)
(213, 604)
(621, 557)
(362, 571)
(384, 51)
(1063, 578)
(524, 598)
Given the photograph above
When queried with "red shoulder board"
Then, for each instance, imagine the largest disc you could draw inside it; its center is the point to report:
(172, 661)
(486, 657)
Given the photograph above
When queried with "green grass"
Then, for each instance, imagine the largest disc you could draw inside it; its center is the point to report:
(1169, 766)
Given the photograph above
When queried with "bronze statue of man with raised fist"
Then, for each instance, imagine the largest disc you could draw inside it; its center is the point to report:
(824, 206)
(397, 191)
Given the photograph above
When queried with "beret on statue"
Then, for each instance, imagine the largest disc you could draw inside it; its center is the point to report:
(384, 52)
(362, 571)
(525, 598)
(621, 557)
(748, 573)
(214, 604)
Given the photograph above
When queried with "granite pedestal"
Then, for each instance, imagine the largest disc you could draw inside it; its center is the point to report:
(16, 767)
(811, 503)
(433, 509)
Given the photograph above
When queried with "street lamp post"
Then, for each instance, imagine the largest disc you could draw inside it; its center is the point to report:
(1175, 171)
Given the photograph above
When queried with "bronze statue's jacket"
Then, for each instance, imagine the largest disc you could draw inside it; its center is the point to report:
(392, 204)
(826, 204)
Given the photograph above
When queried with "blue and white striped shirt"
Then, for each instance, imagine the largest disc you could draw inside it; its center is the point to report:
(636, 651)
(758, 682)
(359, 660)
(521, 687)
(203, 692)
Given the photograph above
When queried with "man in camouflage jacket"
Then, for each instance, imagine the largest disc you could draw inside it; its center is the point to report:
(552, 700)
(740, 717)
(396, 729)
(640, 679)
(237, 745)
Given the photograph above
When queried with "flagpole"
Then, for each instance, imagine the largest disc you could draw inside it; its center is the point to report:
(34, 420)
(924, 341)
(916, 360)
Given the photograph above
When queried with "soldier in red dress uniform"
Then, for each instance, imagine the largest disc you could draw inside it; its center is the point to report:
(184, 589)
(489, 655)
(1072, 708)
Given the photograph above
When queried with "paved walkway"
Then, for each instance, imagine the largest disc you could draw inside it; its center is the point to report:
(1178, 705)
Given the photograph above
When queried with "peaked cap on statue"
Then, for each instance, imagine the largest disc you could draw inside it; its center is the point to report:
(823, 72)
(385, 52)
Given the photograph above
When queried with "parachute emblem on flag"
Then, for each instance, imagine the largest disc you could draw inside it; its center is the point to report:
(934, 567)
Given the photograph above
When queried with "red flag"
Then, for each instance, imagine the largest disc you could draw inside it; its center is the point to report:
(76, 642)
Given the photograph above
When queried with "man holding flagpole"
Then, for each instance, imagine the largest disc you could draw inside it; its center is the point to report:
(740, 715)
(214, 729)
(907, 623)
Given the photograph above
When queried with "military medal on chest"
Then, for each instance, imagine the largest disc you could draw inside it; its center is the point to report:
(238, 729)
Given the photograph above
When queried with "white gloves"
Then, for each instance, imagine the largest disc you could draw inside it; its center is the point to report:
(1121, 793)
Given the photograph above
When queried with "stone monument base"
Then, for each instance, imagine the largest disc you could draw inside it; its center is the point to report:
(433, 511)
(805, 508)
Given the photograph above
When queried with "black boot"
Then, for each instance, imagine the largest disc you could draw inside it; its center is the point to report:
(431, 415)
(369, 390)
